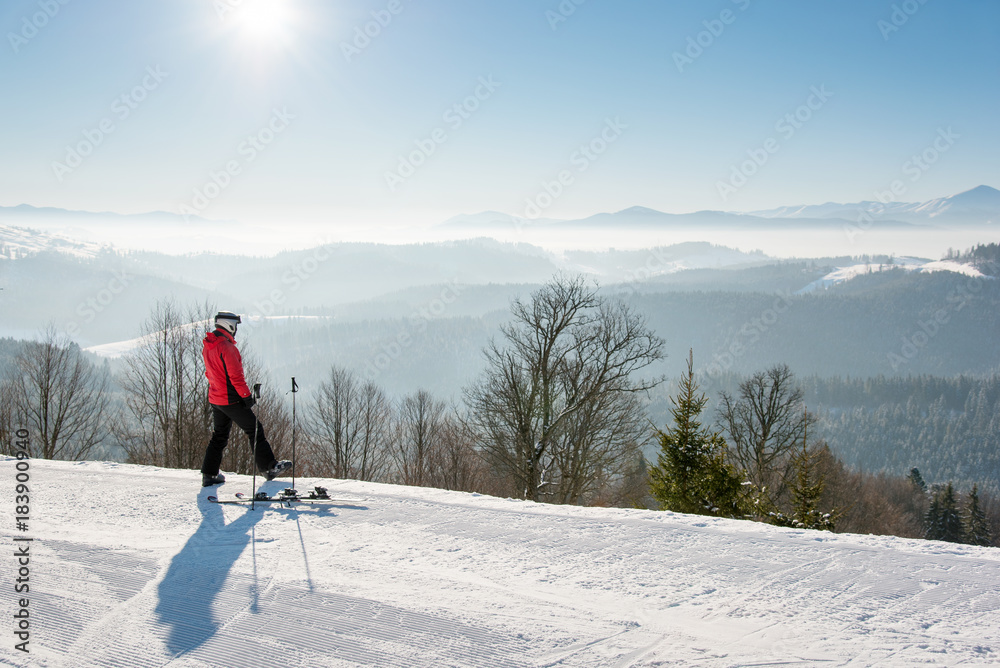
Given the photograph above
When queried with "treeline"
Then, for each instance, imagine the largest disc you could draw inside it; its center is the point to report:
(555, 417)
(946, 427)
(558, 414)
(951, 436)
(985, 257)
(154, 411)
(949, 428)
(902, 505)
(755, 460)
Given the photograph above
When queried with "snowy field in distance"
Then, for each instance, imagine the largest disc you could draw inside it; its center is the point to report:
(842, 274)
(131, 566)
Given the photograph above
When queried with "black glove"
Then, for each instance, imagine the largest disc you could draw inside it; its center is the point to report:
(249, 401)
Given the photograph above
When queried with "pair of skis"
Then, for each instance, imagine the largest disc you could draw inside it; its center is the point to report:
(287, 497)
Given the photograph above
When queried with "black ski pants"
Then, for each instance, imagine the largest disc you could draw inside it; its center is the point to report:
(224, 417)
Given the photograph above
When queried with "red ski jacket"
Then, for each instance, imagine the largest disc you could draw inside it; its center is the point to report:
(224, 369)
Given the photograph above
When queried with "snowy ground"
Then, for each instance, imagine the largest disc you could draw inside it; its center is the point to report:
(131, 566)
(842, 274)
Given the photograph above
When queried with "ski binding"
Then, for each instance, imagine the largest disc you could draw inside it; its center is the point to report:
(287, 496)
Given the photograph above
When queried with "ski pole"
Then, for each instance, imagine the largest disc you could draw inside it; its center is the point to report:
(253, 455)
(295, 388)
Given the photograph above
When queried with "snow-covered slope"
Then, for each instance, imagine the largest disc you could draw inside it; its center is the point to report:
(842, 274)
(18, 242)
(119, 348)
(131, 566)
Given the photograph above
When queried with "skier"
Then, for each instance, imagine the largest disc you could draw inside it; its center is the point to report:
(231, 401)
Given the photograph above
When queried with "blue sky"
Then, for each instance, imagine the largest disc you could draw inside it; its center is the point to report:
(333, 115)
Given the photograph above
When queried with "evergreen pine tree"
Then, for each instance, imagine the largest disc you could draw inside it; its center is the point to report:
(917, 479)
(725, 493)
(806, 492)
(932, 520)
(691, 474)
(943, 520)
(951, 521)
(977, 528)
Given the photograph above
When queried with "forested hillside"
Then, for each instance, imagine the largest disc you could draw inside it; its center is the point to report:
(893, 323)
(947, 427)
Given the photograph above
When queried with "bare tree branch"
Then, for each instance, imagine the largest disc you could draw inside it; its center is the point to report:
(547, 409)
(166, 419)
(62, 396)
(764, 423)
(349, 426)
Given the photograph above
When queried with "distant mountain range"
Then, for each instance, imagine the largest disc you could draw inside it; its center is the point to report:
(981, 205)
(25, 214)
(977, 207)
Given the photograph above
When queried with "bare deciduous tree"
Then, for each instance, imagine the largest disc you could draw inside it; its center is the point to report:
(62, 397)
(456, 464)
(7, 427)
(349, 425)
(418, 438)
(554, 393)
(595, 447)
(166, 419)
(375, 420)
(764, 423)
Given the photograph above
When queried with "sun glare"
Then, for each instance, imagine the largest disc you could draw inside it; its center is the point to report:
(265, 20)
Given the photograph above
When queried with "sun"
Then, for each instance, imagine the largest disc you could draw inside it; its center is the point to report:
(265, 20)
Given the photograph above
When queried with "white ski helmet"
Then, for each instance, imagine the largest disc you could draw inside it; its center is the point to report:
(227, 320)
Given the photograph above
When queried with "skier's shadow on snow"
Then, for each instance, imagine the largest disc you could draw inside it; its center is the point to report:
(197, 574)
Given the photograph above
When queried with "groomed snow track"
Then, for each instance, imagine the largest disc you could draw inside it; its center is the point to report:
(132, 567)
